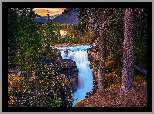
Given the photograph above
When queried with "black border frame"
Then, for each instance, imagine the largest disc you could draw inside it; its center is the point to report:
(6, 5)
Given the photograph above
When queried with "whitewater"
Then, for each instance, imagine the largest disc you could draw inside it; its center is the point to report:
(85, 78)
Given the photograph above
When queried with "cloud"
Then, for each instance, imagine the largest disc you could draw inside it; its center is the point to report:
(52, 11)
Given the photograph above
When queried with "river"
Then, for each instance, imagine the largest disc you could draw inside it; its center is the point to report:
(85, 78)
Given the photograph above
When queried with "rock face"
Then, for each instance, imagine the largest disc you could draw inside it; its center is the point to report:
(93, 58)
(58, 55)
(69, 69)
(16, 72)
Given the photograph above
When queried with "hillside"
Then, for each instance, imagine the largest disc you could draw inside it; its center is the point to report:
(113, 98)
(71, 18)
(41, 19)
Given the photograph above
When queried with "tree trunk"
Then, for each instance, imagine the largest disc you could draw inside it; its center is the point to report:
(101, 70)
(128, 51)
(36, 87)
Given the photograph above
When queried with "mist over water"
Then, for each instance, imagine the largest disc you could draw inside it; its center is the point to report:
(80, 56)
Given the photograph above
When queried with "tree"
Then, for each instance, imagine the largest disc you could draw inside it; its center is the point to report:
(27, 42)
(140, 42)
(128, 51)
(90, 18)
(12, 21)
(107, 25)
(101, 70)
(42, 85)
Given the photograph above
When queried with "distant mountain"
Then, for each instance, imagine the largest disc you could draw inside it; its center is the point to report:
(71, 18)
(41, 19)
(44, 19)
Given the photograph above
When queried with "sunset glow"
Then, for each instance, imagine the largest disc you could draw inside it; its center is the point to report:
(52, 11)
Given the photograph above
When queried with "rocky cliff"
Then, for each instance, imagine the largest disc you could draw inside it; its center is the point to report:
(69, 69)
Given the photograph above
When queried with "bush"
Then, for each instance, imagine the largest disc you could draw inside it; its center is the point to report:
(49, 90)
(40, 87)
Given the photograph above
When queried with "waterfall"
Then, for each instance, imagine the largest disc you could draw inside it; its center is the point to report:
(80, 56)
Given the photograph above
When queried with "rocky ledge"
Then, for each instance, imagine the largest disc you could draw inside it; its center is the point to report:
(69, 69)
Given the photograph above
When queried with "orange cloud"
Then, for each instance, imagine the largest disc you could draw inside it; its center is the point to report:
(51, 11)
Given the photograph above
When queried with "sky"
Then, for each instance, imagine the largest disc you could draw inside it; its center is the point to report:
(52, 11)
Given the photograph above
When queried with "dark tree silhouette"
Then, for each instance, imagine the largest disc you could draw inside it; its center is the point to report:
(12, 18)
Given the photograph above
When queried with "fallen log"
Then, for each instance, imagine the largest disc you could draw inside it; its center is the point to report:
(140, 69)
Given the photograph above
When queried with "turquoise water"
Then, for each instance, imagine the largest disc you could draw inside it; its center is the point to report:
(80, 56)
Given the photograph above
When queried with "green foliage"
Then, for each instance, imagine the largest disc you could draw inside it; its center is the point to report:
(32, 41)
(28, 40)
(47, 34)
(55, 103)
(140, 45)
(39, 91)
(12, 20)
(63, 34)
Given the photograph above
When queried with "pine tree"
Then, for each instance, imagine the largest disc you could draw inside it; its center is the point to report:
(128, 51)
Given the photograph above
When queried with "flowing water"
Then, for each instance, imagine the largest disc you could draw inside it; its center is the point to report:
(80, 56)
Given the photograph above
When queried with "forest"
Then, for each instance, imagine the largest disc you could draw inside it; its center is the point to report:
(117, 56)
